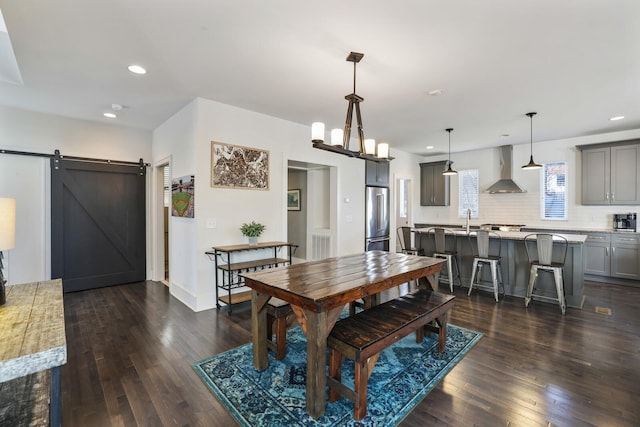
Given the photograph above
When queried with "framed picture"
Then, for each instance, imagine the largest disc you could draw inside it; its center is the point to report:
(183, 196)
(293, 200)
(235, 166)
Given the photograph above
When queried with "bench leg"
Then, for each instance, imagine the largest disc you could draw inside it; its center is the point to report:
(360, 383)
(335, 372)
(442, 332)
(281, 337)
(270, 320)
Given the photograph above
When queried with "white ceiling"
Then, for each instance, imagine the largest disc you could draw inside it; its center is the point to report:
(575, 62)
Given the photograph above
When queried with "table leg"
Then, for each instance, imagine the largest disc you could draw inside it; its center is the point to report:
(430, 281)
(316, 362)
(259, 330)
(55, 408)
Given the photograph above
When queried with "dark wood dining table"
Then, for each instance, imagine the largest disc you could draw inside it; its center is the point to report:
(318, 291)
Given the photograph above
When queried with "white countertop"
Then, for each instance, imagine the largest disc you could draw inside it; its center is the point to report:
(513, 235)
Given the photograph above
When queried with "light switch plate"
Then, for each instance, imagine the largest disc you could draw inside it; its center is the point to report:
(211, 223)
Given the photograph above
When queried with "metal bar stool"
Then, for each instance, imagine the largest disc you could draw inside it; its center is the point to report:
(444, 240)
(484, 257)
(404, 237)
(541, 249)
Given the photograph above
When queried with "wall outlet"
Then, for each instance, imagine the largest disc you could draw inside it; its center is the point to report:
(211, 223)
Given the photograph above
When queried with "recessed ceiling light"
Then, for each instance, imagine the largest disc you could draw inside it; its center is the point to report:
(429, 147)
(110, 115)
(137, 69)
(613, 119)
(435, 92)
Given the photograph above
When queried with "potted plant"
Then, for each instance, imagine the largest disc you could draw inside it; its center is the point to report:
(252, 230)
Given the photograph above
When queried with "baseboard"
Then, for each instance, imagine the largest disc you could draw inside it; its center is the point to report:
(184, 296)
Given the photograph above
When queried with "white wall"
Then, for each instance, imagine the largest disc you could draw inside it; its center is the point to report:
(525, 208)
(188, 135)
(28, 180)
(407, 166)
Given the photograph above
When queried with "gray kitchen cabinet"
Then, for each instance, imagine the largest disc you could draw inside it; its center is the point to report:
(597, 250)
(434, 187)
(376, 173)
(611, 174)
(625, 256)
(613, 255)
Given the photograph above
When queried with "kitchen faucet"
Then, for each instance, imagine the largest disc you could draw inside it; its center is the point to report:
(468, 218)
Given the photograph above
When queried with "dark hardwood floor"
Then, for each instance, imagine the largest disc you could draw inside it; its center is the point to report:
(131, 347)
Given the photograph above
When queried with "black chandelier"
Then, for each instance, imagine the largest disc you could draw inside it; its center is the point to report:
(340, 138)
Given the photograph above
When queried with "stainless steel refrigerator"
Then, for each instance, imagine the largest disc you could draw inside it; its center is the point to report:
(377, 219)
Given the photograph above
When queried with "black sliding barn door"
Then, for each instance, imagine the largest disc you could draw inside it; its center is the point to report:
(97, 224)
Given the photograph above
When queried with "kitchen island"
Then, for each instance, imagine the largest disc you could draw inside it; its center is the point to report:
(515, 263)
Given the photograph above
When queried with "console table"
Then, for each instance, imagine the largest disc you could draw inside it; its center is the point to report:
(33, 336)
(232, 260)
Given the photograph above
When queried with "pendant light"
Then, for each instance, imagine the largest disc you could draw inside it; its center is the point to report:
(531, 164)
(449, 171)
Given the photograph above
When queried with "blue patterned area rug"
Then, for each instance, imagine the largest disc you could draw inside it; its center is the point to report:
(402, 377)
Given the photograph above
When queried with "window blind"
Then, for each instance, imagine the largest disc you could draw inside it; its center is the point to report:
(468, 190)
(554, 184)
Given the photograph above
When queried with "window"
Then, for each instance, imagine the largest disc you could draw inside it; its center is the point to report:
(468, 184)
(403, 204)
(166, 180)
(554, 195)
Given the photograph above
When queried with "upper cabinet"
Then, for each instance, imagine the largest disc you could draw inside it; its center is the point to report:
(377, 173)
(434, 187)
(610, 174)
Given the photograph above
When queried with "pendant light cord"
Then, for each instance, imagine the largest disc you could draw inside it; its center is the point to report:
(531, 136)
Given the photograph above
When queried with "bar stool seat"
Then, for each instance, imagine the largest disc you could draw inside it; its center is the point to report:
(444, 242)
(483, 258)
(542, 252)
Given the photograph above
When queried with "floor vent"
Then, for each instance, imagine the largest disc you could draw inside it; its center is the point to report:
(603, 310)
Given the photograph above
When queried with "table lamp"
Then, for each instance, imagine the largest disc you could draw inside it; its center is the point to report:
(7, 236)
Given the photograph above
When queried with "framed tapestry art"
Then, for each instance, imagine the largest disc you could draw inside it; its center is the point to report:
(293, 200)
(235, 166)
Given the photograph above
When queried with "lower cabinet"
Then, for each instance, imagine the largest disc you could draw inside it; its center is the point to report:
(597, 250)
(625, 256)
(613, 255)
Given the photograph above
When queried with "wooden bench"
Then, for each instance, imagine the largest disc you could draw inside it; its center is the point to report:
(362, 337)
(279, 317)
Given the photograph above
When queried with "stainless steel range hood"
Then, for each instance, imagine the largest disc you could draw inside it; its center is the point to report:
(505, 184)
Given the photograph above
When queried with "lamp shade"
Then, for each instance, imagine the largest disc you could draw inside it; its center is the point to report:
(383, 150)
(337, 137)
(370, 146)
(7, 223)
(317, 132)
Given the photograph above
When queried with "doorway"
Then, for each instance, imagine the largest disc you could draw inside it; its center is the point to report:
(312, 224)
(162, 223)
(404, 218)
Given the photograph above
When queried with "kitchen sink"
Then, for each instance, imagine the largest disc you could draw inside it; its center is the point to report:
(502, 227)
